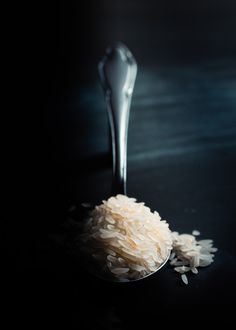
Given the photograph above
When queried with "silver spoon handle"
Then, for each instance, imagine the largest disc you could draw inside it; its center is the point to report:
(118, 71)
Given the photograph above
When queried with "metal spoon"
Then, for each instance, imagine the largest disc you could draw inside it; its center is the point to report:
(117, 71)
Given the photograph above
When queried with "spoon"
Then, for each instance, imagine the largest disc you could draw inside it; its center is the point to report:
(117, 71)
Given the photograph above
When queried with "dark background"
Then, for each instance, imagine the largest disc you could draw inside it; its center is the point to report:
(181, 154)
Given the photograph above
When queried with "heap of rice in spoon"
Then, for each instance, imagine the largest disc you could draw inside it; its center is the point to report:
(126, 237)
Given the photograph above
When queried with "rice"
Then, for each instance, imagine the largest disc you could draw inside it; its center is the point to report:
(184, 279)
(196, 233)
(129, 241)
(191, 253)
(127, 237)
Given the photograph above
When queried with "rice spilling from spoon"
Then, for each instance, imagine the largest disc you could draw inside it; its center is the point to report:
(189, 253)
(126, 237)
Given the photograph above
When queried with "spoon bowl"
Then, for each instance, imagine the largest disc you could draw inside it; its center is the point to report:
(104, 273)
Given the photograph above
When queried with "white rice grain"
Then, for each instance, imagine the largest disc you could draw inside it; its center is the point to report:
(119, 270)
(194, 270)
(182, 269)
(86, 205)
(184, 279)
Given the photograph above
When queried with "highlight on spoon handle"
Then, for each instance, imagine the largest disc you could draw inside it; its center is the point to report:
(118, 71)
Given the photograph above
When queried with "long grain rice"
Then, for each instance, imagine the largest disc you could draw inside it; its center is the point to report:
(190, 253)
(132, 242)
(130, 239)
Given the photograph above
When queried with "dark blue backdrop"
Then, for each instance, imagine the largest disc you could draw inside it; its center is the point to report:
(181, 152)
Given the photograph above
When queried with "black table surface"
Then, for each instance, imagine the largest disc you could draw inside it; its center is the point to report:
(181, 160)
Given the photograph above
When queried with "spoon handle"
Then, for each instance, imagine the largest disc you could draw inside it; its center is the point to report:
(118, 71)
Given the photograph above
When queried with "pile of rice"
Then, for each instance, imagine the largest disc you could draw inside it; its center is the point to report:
(189, 253)
(127, 237)
(130, 242)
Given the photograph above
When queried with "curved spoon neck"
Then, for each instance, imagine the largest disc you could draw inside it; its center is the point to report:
(119, 152)
(118, 71)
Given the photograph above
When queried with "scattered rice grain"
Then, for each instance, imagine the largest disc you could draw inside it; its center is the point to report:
(184, 279)
(196, 233)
